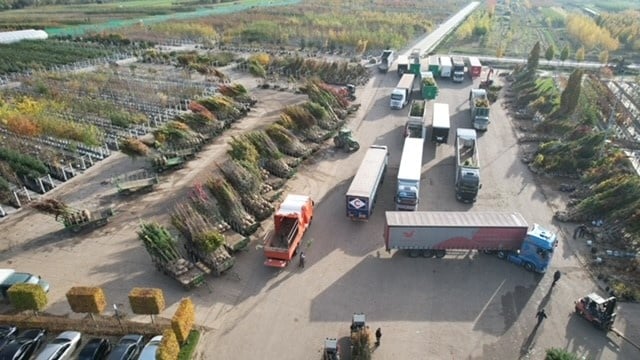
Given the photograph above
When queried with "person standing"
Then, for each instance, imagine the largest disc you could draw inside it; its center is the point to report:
(378, 336)
(541, 315)
(556, 277)
(302, 257)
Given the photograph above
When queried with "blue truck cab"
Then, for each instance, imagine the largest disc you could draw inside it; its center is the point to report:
(536, 251)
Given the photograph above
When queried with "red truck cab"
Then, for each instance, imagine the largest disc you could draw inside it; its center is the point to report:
(291, 221)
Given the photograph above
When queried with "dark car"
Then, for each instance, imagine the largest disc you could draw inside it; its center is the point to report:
(127, 348)
(24, 345)
(7, 333)
(95, 349)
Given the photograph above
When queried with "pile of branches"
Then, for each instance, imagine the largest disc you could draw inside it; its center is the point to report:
(199, 199)
(176, 133)
(333, 72)
(237, 92)
(287, 142)
(231, 207)
(240, 177)
(53, 207)
(225, 108)
(133, 147)
(196, 229)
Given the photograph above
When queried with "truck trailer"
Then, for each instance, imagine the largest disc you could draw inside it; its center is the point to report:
(458, 69)
(386, 60)
(401, 94)
(467, 166)
(475, 67)
(434, 65)
(446, 67)
(408, 189)
(362, 193)
(415, 125)
(414, 62)
(506, 234)
(428, 85)
(291, 221)
(479, 107)
(403, 64)
(441, 123)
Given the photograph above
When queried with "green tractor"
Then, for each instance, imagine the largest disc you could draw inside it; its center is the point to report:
(345, 140)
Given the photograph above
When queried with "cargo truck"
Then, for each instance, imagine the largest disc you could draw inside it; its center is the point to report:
(428, 85)
(458, 69)
(434, 66)
(414, 62)
(467, 166)
(441, 123)
(479, 107)
(408, 185)
(415, 125)
(362, 193)
(386, 60)
(445, 67)
(506, 234)
(401, 94)
(291, 221)
(403, 64)
(475, 67)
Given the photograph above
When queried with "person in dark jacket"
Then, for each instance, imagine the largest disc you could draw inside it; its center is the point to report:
(541, 315)
(378, 336)
(556, 277)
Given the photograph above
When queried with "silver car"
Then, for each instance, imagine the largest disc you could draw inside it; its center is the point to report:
(62, 347)
(149, 351)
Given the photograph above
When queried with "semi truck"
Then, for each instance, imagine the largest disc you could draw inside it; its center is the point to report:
(445, 67)
(291, 221)
(403, 64)
(458, 69)
(362, 193)
(408, 185)
(479, 107)
(401, 94)
(428, 85)
(415, 125)
(506, 234)
(434, 66)
(475, 67)
(386, 60)
(467, 166)
(441, 123)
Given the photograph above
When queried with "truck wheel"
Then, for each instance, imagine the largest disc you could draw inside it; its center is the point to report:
(529, 266)
(440, 254)
(414, 253)
(427, 253)
(502, 255)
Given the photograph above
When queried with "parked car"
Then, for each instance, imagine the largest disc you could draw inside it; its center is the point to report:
(10, 277)
(149, 351)
(24, 345)
(127, 348)
(7, 333)
(61, 347)
(95, 349)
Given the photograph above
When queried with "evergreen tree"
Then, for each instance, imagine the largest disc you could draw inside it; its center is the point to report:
(550, 53)
(534, 57)
(564, 54)
(570, 95)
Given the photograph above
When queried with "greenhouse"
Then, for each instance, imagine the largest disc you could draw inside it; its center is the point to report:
(9, 37)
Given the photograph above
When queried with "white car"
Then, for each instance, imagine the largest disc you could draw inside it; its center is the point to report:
(149, 351)
(62, 347)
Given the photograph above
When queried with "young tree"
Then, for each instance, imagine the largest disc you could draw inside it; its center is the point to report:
(570, 95)
(603, 57)
(580, 54)
(564, 54)
(550, 53)
(534, 57)
(500, 51)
